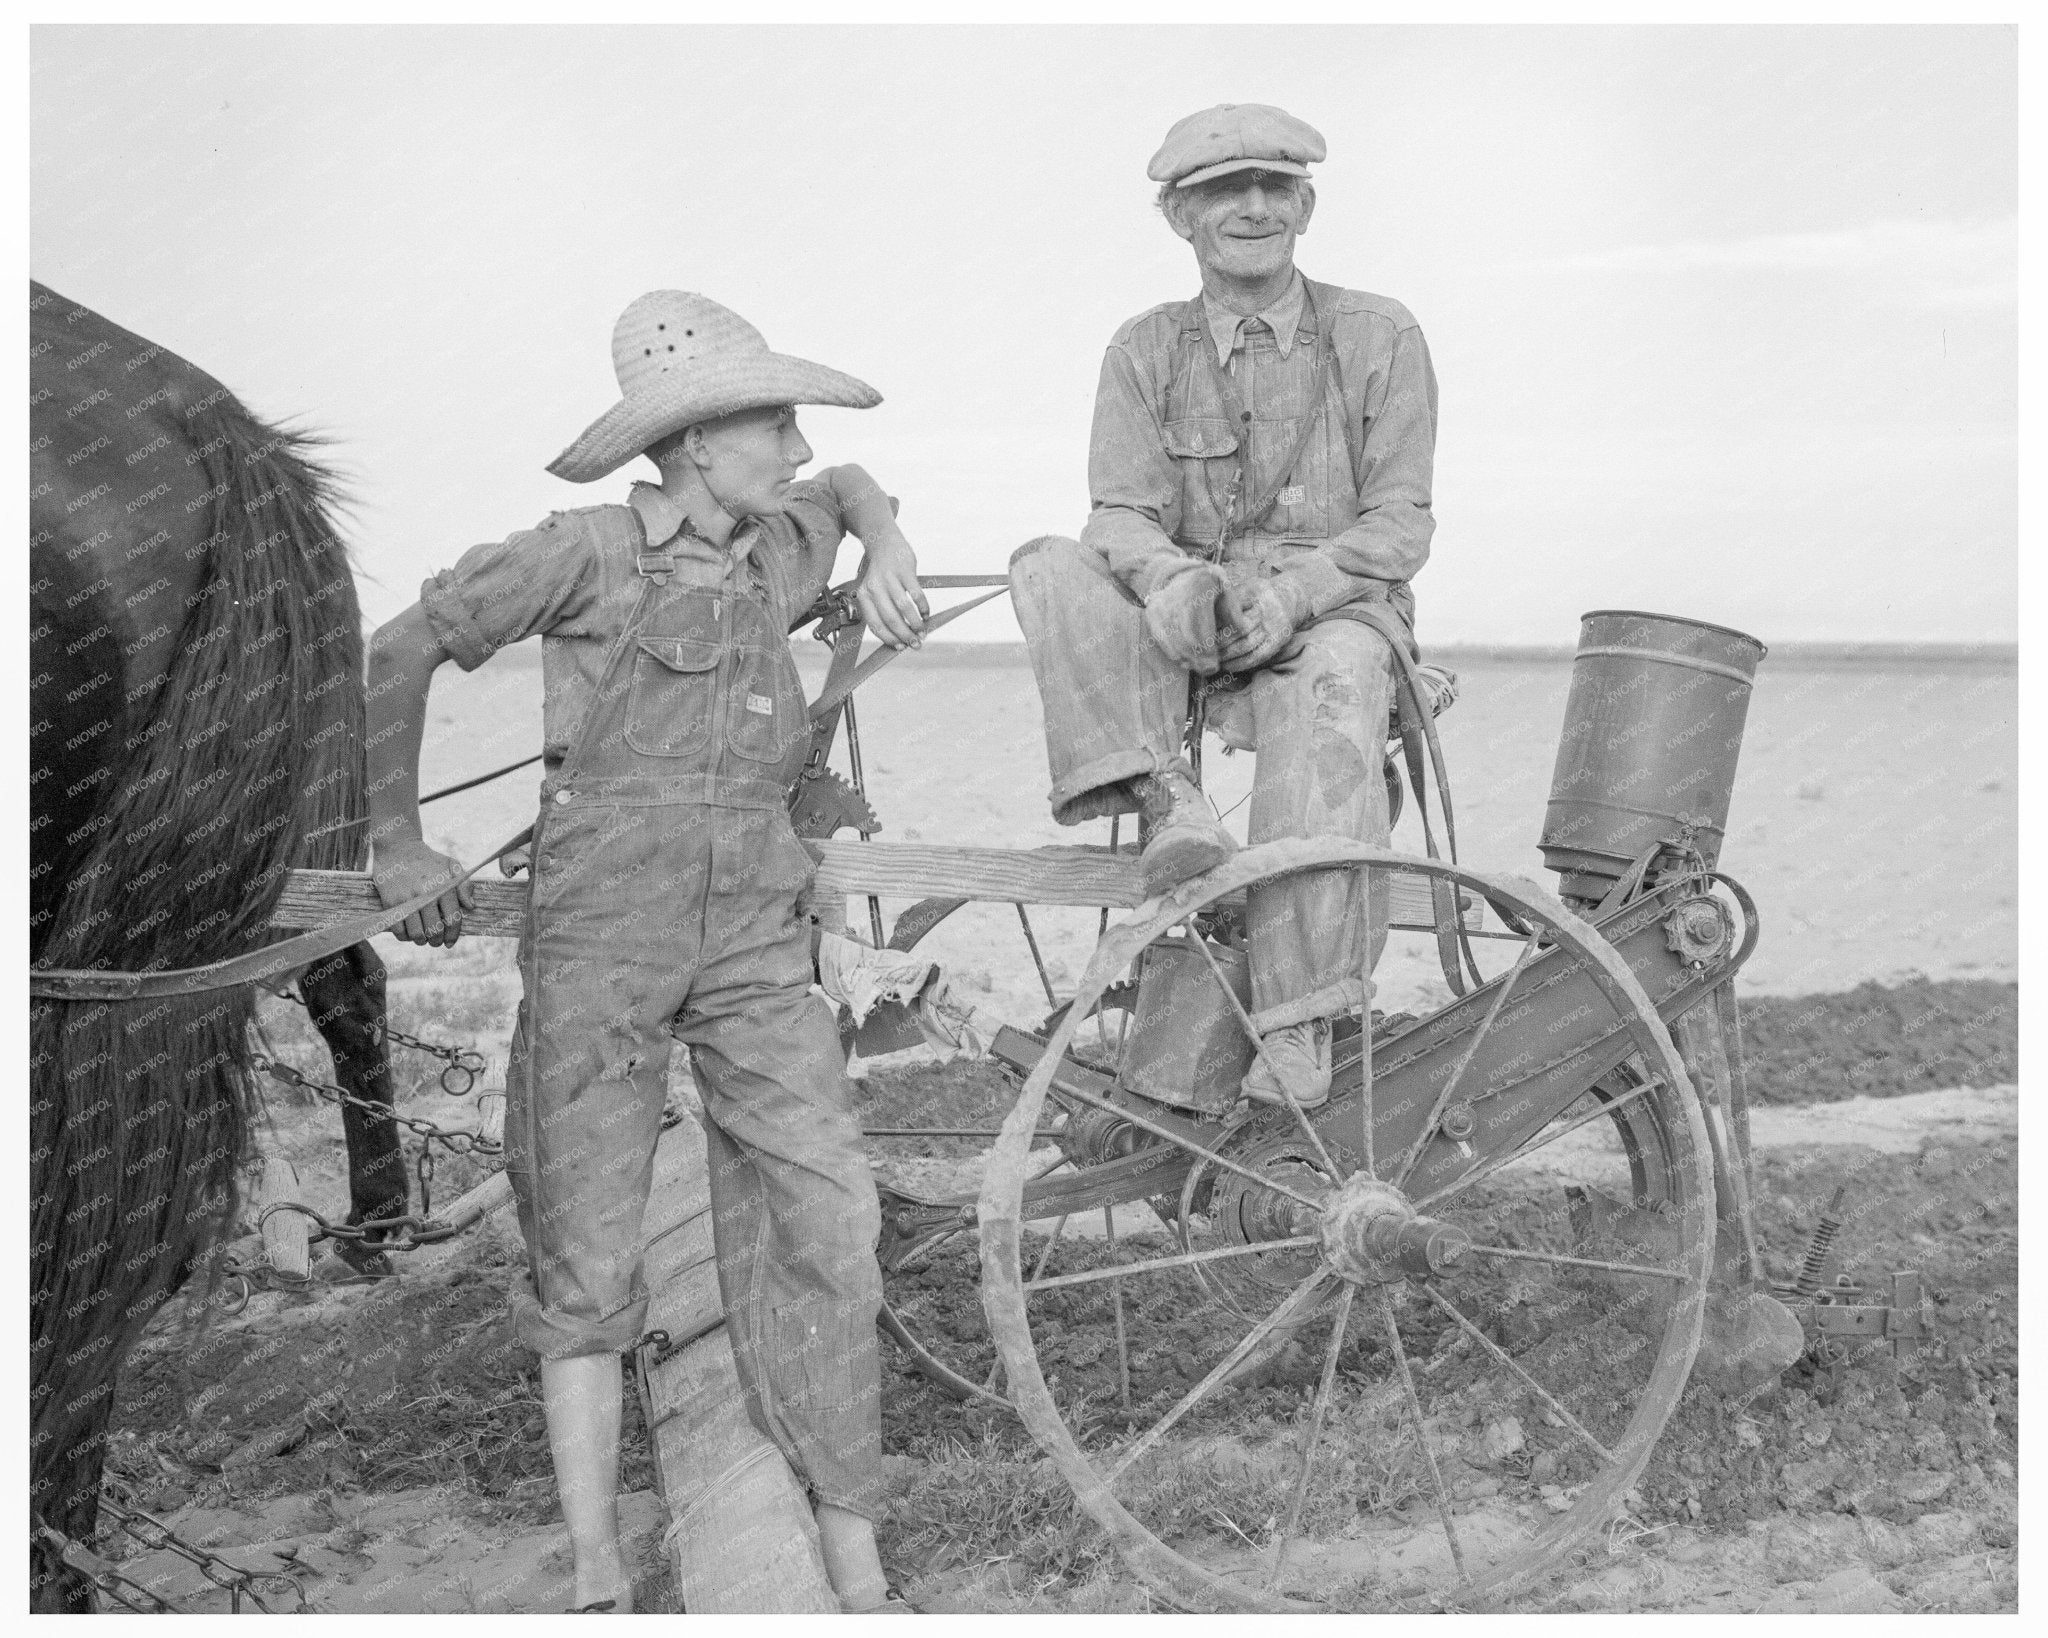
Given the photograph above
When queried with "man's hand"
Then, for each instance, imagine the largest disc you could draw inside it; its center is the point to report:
(404, 870)
(1264, 617)
(1181, 616)
(891, 601)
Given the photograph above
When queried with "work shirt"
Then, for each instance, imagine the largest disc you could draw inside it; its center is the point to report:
(1283, 318)
(1164, 449)
(575, 580)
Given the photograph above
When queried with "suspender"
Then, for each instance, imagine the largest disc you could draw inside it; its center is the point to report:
(1318, 325)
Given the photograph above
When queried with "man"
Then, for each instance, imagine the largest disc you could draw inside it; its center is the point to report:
(1260, 474)
(665, 902)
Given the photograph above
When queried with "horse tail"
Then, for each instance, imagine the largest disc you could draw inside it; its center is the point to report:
(244, 759)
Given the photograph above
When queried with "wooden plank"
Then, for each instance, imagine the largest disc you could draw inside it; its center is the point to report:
(893, 870)
(741, 1539)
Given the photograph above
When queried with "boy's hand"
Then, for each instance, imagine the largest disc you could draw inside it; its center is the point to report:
(406, 868)
(891, 601)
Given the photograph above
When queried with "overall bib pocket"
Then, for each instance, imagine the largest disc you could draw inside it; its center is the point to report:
(765, 716)
(673, 700)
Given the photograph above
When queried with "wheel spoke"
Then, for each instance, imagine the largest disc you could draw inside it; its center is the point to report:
(1116, 1291)
(1259, 1046)
(1037, 960)
(1299, 1242)
(1145, 1123)
(1317, 1414)
(1581, 1262)
(1436, 1478)
(1480, 1173)
(1515, 1365)
(1450, 1087)
(1295, 1299)
(1045, 1251)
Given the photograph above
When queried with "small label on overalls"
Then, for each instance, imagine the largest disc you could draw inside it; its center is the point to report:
(1293, 495)
(761, 705)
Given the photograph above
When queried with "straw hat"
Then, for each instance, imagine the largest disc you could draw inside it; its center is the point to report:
(680, 359)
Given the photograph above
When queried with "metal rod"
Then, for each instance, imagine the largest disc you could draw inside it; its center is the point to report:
(1298, 1242)
(1037, 960)
(1229, 1363)
(948, 1131)
(1102, 927)
(1116, 1292)
(1436, 1478)
(1579, 1262)
(1365, 1147)
(1258, 1046)
(1480, 1173)
(467, 784)
(1315, 1431)
(1037, 1268)
(1145, 1124)
(1515, 1365)
(1443, 1097)
(860, 785)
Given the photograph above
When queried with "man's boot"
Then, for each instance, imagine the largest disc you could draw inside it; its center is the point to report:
(1185, 837)
(1296, 1057)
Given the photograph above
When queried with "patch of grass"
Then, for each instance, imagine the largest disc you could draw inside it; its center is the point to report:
(982, 1505)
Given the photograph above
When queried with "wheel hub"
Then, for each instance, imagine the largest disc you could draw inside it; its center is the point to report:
(1373, 1236)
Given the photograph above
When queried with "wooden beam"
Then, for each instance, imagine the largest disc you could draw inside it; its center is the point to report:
(741, 1539)
(893, 870)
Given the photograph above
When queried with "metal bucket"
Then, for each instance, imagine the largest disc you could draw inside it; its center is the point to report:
(1652, 731)
(1186, 1047)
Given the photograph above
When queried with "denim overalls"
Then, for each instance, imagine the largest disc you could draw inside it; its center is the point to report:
(665, 903)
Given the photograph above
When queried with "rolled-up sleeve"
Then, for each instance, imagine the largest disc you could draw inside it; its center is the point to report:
(1133, 483)
(817, 525)
(1390, 540)
(535, 581)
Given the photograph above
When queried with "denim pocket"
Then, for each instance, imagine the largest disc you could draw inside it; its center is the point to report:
(766, 715)
(673, 699)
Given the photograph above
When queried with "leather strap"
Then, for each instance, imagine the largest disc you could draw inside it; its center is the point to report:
(1418, 730)
(90, 984)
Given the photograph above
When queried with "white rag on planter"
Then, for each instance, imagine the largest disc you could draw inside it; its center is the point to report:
(860, 978)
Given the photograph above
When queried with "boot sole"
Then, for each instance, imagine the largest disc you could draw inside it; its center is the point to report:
(1171, 860)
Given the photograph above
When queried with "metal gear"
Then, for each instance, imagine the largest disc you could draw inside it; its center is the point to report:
(823, 804)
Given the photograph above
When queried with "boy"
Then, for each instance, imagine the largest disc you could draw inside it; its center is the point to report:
(665, 886)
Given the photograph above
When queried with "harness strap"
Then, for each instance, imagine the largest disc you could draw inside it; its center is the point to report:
(1418, 731)
(90, 984)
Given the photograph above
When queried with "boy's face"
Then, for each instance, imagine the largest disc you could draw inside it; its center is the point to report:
(751, 458)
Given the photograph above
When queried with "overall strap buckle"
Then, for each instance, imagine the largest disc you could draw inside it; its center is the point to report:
(656, 566)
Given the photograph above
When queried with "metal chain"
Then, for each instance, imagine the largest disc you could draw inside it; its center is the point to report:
(465, 1062)
(153, 1535)
(456, 1143)
(413, 1230)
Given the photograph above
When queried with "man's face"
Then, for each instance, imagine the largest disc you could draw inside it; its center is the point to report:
(751, 458)
(1243, 224)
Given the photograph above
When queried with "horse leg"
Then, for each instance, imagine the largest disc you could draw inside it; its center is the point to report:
(345, 994)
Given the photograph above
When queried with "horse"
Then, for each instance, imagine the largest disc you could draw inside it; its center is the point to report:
(196, 731)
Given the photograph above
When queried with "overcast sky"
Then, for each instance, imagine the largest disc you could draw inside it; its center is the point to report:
(1724, 319)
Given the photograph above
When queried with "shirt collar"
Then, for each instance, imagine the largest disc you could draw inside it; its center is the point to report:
(664, 520)
(1283, 318)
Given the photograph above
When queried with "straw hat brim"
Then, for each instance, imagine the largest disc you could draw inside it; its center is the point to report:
(708, 389)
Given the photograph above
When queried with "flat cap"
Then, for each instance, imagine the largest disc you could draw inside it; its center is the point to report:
(1236, 136)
